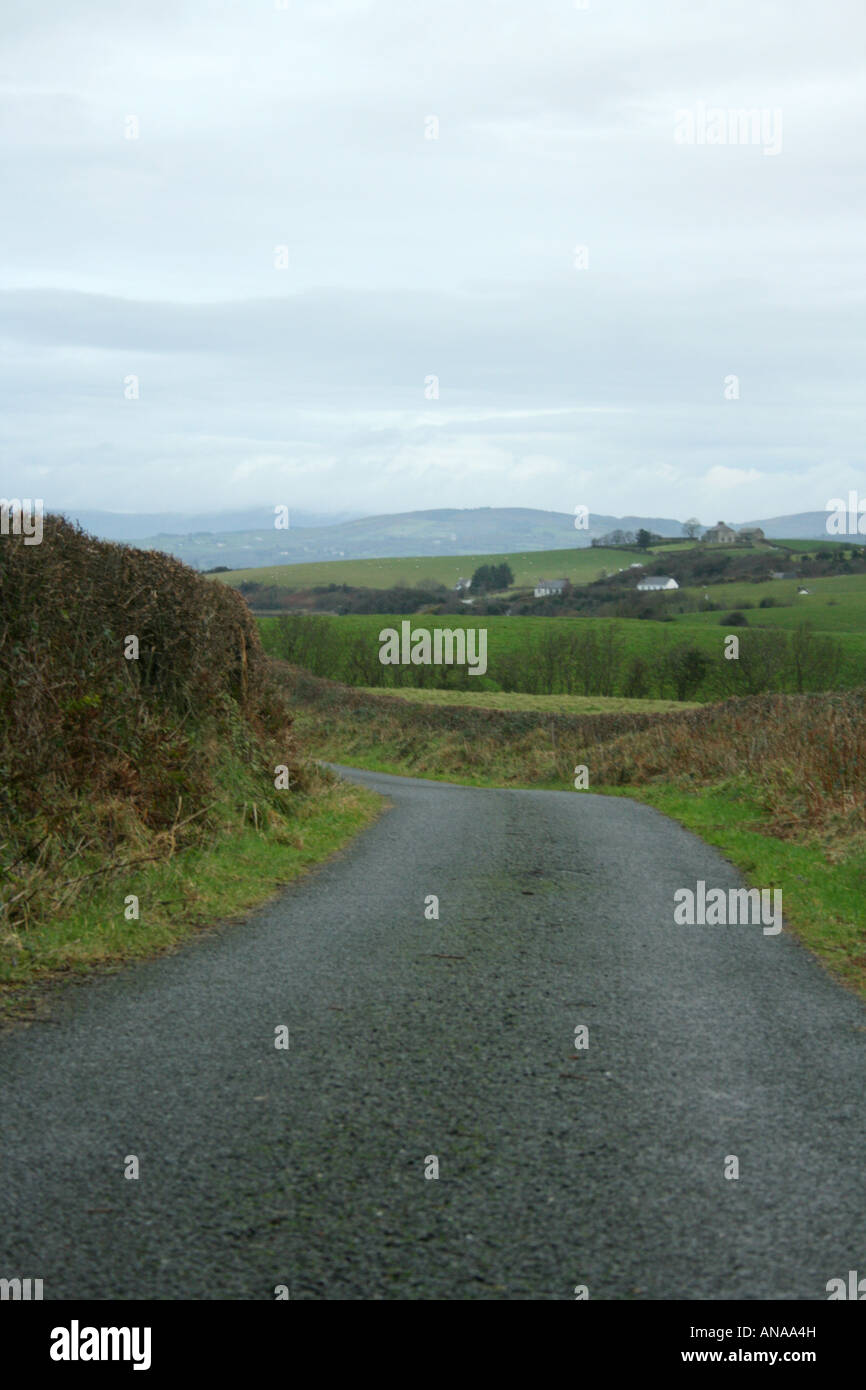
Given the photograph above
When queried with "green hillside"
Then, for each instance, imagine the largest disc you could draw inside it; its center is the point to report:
(580, 566)
(834, 604)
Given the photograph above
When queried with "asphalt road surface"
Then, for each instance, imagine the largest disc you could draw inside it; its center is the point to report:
(411, 1039)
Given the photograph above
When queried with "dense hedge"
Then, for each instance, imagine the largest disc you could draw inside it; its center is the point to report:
(93, 743)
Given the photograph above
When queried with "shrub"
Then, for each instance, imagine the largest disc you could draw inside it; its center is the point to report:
(97, 749)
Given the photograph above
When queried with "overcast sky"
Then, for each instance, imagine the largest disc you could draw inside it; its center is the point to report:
(565, 377)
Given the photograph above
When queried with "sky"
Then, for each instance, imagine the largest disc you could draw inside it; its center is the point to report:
(375, 256)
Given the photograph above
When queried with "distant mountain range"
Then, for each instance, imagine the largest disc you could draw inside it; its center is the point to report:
(802, 526)
(249, 539)
(136, 526)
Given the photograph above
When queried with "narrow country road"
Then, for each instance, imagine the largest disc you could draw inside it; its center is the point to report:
(412, 1038)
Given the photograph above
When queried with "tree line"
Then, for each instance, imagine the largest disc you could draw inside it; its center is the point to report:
(587, 658)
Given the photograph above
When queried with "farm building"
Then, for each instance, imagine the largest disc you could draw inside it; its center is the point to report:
(655, 582)
(720, 534)
(545, 587)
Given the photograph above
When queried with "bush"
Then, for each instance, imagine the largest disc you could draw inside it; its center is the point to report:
(96, 748)
(736, 619)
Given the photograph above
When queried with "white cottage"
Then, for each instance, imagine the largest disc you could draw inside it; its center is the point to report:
(655, 582)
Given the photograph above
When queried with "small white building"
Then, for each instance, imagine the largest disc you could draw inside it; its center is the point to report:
(463, 584)
(655, 582)
(545, 587)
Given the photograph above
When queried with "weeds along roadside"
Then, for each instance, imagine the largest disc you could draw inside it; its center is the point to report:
(805, 753)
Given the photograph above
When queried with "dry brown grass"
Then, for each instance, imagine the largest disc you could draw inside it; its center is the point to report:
(806, 754)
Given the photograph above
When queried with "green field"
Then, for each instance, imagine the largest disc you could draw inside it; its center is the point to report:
(642, 637)
(813, 547)
(581, 566)
(522, 654)
(835, 605)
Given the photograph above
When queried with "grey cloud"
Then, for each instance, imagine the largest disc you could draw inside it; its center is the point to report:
(410, 257)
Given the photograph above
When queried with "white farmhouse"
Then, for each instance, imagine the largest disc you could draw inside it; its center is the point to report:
(545, 587)
(654, 582)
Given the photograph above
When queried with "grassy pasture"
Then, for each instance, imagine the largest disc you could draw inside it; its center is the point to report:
(515, 651)
(581, 566)
(835, 604)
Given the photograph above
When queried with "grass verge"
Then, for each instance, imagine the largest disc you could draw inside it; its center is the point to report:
(221, 881)
(823, 885)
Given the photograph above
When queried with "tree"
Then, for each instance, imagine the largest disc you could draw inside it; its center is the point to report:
(691, 528)
(815, 661)
(763, 664)
(686, 667)
(644, 539)
(492, 577)
(637, 681)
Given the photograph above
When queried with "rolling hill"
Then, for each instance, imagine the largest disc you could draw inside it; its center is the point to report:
(248, 539)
